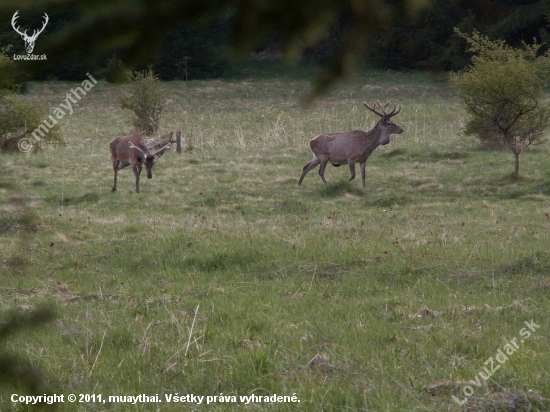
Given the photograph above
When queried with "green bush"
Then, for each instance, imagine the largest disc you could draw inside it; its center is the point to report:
(502, 90)
(144, 98)
(19, 118)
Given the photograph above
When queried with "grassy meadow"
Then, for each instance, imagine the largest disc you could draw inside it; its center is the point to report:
(224, 277)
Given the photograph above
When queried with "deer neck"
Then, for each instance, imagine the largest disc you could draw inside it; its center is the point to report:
(373, 138)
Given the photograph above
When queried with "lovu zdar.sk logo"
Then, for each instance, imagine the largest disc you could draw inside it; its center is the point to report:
(29, 39)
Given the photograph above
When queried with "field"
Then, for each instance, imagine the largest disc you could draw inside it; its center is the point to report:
(223, 277)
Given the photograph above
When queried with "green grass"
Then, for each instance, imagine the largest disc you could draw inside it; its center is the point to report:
(222, 276)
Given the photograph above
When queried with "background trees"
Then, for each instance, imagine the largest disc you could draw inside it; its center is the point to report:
(429, 41)
(86, 32)
(502, 91)
(191, 39)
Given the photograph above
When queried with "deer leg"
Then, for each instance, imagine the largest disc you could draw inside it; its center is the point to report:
(363, 165)
(137, 171)
(308, 167)
(113, 189)
(351, 164)
(115, 169)
(322, 168)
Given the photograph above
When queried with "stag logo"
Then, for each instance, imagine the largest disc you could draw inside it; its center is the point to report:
(29, 40)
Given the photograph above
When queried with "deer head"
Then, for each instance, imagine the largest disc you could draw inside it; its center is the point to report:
(385, 124)
(29, 40)
(148, 159)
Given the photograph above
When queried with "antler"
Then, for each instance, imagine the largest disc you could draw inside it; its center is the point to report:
(393, 112)
(169, 140)
(13, 19)
(373, 108)
(383, 108)
(160, 152)
(133, 146)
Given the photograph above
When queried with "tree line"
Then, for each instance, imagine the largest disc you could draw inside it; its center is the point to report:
(203, 48)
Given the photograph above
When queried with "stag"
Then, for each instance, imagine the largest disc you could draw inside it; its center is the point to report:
(352, 147)
(132, 150)
(29, 40)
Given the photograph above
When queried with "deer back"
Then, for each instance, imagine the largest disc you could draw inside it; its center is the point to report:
(340, 147)
(121, 151)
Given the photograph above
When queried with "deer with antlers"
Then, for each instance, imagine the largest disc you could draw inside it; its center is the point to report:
(132, 150)
(352, 147)
(29, 40)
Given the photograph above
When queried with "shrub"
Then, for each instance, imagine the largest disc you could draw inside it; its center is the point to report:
(502, 91)
(18, 117)
(144, 99)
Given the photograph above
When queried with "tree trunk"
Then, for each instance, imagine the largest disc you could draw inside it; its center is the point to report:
(512, 145)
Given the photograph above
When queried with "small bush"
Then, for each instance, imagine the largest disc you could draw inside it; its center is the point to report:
(17, 117)
(144, 99)
(503, 93)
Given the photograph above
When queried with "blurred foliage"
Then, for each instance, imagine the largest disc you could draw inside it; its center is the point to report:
(15, 372)
(502, 90)
(84, 32)
(192, 39)
(429, 41)
(195, 53)
(7, 79)
(144, 98)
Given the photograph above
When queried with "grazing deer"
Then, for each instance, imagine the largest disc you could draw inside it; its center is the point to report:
(352, 147)
(132, 150)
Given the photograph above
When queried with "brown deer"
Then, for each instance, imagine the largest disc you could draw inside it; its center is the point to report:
(352, 147)
(132, 150)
